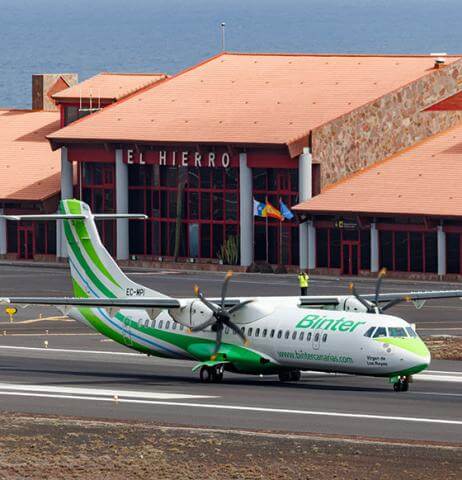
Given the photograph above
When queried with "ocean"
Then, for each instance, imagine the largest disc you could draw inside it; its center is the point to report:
(83, 36)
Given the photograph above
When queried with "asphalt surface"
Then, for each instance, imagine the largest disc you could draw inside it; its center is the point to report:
(84, 374)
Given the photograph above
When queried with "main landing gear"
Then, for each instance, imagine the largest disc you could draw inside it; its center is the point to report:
(211, 374)
(289, 375)
(402, 385)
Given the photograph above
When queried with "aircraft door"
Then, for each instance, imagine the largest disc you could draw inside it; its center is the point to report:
(128, 331)
(317, 339)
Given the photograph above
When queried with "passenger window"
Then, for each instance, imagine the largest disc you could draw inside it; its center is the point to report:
(249, 333)
(226, 330)
(369, 332)
(167, 324)
(272, 333)
(316, 337)
(324, 337)
(161, 323)
(257, 332)
(286, 335)
(302, 334)
(280, 334)
(265, 331)
(411, 332)
(173, 325)
(294, 335)
(308, 336)
(153, 323)
(243, 330)
(380, 332)
(397, 332)
(181, 327)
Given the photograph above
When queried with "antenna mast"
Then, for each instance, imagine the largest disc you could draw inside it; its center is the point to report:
(223, 44)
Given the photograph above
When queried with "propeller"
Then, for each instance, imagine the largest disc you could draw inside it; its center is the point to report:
(375, 307)
(221, 317)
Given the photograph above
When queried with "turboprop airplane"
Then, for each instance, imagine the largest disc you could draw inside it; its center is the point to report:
(252, 335)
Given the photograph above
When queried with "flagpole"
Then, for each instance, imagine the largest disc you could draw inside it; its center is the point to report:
(267, 241)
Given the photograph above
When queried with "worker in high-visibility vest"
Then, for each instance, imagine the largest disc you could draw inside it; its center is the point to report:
(303, 281)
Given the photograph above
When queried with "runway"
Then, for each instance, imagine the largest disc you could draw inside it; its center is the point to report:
(86, 376)
(80, 373)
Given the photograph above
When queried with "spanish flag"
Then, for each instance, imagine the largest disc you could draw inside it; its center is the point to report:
(272, 212)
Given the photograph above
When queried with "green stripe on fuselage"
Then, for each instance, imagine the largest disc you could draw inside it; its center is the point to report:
(412, 345)
(74, 207)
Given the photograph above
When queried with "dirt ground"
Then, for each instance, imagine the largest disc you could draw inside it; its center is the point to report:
(445, 348)
(57, 448)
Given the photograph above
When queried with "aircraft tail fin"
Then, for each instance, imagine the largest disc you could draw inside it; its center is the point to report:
(94, 272)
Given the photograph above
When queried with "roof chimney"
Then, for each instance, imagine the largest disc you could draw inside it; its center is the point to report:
(439, 60)
(45, 85)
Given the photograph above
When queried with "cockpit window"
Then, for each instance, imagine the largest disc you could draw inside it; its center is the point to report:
(411, 332)
(397, 332)
(369, 332)
(380, 332)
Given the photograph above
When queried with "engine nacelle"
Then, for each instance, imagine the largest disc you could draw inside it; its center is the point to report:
(192, 313)
(351, 304)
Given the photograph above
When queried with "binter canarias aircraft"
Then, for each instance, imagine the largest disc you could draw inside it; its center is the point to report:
(255, 335)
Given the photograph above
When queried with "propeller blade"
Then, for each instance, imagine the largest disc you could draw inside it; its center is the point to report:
(224, 287)
(202, 326)
(238, 306)
(359, 298)
(236, 329)
(394, 302)
(378, 284)
(218, 341)
(201, 297)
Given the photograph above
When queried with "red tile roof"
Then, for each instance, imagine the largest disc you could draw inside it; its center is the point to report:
(422, 180)
(108, 86)
(29, 170)
(271, 99)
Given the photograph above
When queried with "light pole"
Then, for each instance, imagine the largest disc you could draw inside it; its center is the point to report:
(223, 26)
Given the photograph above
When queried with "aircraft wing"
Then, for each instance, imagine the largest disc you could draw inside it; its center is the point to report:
(414, 296)
(130, 302)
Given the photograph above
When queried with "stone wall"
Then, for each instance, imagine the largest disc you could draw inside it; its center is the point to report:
(385, 126)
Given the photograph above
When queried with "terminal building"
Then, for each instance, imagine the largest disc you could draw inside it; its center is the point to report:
(194, 150)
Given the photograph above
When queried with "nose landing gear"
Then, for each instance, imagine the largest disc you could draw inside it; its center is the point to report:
(402, 385)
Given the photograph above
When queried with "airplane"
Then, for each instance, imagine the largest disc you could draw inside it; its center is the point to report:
(348, 334)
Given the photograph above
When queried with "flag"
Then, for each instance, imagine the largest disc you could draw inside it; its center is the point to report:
(288, 215)
(273, 212)
(258, 209)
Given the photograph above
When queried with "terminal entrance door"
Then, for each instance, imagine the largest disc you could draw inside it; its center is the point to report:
(350, 258)
(26, 242)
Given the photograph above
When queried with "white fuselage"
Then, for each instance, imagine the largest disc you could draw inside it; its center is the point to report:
(280, 331)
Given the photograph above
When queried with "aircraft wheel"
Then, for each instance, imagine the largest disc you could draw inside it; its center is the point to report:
(295, 375)
(206, 374)
(284, 376)
(217, 377)
(402, 385)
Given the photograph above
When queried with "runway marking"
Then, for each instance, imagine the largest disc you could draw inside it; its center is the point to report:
(243, 408)
(99, 392)
(37, 320)
(69, 350)
(51, 334)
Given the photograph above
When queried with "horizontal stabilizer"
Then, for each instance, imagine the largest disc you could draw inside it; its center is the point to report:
(131, 302)
(71, 216)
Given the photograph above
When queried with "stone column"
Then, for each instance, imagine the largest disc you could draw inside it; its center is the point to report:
(67, 191)
(311, 245)
(246, 212)
(2, 234)
(304, 193)
(374, 248)
(441, 242)
(121, 185)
